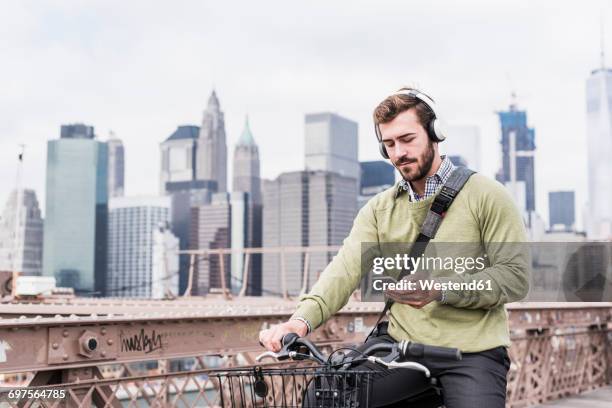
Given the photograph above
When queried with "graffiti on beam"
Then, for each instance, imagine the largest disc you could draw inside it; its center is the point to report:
(142, 341)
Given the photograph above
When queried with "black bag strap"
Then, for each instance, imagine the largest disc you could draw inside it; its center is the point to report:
(435, 215)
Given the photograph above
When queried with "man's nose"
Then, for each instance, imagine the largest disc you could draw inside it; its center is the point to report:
(399, 151)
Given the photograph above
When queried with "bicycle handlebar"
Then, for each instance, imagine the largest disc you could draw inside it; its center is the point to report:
(291, 344)
(405, 349)
(408, 349)
(290, 340)
(411, 349)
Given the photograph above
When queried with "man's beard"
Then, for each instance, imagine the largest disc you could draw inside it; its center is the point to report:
(423, 164)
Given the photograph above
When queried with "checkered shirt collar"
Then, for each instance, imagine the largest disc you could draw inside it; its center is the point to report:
(432, 183)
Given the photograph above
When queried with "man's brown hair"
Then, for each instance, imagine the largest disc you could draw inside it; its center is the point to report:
(393, 105)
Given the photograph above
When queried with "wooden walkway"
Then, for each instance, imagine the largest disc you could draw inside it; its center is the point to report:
(599, 398)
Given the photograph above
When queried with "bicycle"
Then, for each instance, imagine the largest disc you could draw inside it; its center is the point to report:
(332, 381)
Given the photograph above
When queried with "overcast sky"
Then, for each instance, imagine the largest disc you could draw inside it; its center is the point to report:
(140, 68)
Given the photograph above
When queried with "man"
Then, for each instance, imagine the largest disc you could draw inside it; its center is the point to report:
(475, 321)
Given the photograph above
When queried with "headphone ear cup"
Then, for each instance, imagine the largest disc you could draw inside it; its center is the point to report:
(381, 145)
(383, 151)
(436, 130)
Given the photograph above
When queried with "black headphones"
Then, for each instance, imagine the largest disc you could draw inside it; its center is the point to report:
(434, 129)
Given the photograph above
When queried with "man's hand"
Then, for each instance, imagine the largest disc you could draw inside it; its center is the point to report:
(417, 298)
(271, 338)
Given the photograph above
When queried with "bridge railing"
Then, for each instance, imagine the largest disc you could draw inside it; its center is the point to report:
(162, 352)
(195, 255)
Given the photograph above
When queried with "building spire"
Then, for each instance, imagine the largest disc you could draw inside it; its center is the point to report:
(513, 102)
(213, 101)
(246, 138)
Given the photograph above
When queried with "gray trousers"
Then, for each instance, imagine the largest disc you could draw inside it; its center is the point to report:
(477, 381)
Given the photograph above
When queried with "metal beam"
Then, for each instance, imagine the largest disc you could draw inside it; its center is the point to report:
(44, 343)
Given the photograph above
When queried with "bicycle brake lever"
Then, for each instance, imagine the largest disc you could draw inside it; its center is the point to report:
(277, 356)
(405, 364)
(412, 365)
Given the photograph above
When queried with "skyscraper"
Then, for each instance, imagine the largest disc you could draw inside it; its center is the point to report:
(194, 167)
(376, 176)
(211, 154)
(246, 230)
(178, 179)
(518, 151)
(304, 208)
(178, 166)
(132, 223)
(229, 221)
(246, 204)
(561, 209)
(376, 173)
(331, 144)
(285, 223)
(116, 167)
(76, 131)
(211, 229)
(246, 165)
(332, 206)
(76, 216)
(599, 151)
(21, 234)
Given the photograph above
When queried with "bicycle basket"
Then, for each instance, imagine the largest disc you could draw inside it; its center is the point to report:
(293, 387)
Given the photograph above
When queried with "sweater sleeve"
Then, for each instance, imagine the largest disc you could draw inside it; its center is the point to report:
(505, 243)
(343, 274)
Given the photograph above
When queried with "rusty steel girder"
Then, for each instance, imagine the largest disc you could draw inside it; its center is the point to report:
(558, 349)
(49, 343)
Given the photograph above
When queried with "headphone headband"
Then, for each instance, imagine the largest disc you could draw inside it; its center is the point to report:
(420, 96)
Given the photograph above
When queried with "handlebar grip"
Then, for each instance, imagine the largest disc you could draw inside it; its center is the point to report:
(410, 349)
(289, 338)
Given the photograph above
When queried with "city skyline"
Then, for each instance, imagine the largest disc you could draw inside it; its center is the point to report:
(142, 115)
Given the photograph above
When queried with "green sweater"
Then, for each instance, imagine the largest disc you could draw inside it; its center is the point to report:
(483, 212)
